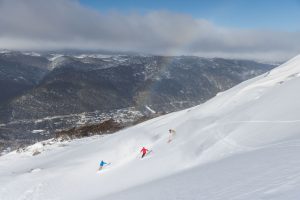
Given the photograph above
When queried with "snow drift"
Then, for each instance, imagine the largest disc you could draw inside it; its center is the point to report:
(242, 144)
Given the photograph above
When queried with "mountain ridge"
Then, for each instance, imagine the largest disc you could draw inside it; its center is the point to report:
(80, 84)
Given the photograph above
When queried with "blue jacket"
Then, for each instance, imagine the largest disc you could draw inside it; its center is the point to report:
(102, 163)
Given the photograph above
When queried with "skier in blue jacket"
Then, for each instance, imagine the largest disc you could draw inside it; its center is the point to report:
(101, 164)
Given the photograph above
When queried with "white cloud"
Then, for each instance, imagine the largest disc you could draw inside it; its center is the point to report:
(43, 24)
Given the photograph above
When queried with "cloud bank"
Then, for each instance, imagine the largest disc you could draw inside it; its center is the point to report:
(66, 24)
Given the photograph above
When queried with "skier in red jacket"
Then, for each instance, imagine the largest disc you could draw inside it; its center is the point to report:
(144, 151)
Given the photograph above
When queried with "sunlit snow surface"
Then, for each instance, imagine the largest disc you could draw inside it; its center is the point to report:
(242, 144)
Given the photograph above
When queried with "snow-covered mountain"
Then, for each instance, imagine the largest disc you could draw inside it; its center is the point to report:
(47, 92)
(244, 144)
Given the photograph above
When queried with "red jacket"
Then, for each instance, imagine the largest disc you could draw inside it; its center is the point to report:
(144, 150)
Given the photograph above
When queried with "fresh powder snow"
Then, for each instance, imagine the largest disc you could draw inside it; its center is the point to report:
(244, 144)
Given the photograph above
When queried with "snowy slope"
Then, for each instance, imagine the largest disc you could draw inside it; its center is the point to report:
(242, 144)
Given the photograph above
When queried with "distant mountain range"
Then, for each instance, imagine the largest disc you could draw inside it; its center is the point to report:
(42, 93)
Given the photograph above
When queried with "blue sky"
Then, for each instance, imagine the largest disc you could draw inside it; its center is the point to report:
(250, 14)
